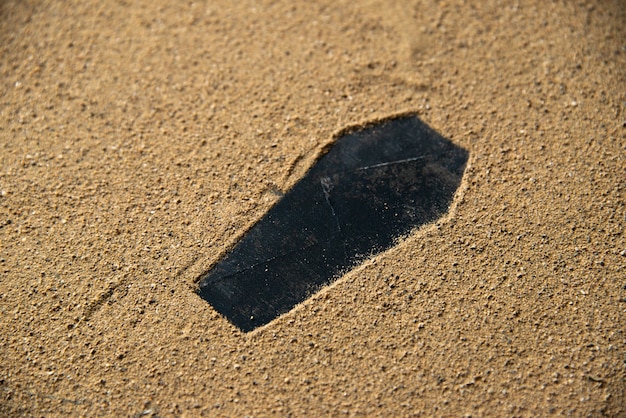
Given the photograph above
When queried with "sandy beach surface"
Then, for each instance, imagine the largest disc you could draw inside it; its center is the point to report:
(139, 140)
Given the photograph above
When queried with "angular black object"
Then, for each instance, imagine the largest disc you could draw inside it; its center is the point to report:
(373, 186)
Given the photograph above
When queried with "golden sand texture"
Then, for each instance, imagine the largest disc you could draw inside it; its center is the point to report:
(139, 140)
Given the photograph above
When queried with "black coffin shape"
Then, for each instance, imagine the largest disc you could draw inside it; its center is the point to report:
(373, 186)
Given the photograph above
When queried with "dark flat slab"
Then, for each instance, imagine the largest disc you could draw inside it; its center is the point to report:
(373, 186)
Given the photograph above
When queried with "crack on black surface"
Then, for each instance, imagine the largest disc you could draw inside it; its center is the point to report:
(407, 160)
(269, 260)
(327, 186)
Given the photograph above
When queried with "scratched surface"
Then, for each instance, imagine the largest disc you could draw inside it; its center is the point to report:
(373, 186)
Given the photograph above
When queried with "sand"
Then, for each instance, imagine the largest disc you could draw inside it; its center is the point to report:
(140, 140)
